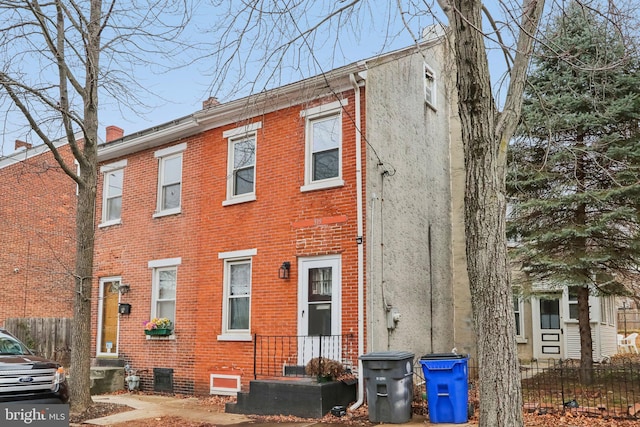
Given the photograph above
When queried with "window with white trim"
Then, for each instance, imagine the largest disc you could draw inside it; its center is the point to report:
(242, 164)
(429, 86)
(607, 311)
(573, 304)
(323, 165)
(164, 286)
(518, 309)
(112, 192)
(169, 180)
(236, 310)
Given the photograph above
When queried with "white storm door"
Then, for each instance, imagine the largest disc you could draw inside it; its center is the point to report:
(319, 308)
(107, 339)
(547, 331)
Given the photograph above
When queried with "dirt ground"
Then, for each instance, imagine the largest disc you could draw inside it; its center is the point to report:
(358, 419)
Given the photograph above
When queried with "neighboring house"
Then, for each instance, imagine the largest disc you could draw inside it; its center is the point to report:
(330, 206)
(547, 325)
(37, 233)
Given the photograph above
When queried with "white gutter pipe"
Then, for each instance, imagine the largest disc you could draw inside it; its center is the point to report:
(360, 243)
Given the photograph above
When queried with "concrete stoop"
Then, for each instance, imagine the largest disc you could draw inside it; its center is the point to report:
(305, 398)
(106, 379)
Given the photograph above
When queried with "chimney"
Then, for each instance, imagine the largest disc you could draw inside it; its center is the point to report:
(114, 132)
(22, 144)
(212, 101)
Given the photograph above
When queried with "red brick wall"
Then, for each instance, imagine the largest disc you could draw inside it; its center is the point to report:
(282, 224)
(37, 238)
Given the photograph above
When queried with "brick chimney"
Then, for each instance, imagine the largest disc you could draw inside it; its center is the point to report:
(210, 102)
(22, 144)
(114, 132)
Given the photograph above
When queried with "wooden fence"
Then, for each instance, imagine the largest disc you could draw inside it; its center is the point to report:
(48, 337)
(628, 319)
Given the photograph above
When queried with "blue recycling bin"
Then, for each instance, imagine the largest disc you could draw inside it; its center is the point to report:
(447, 379)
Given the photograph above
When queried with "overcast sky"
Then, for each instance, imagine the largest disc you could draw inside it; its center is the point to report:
(174, 94)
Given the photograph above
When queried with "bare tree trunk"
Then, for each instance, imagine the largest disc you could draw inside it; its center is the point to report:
(486, 134)
(80, 390)
(80, 393)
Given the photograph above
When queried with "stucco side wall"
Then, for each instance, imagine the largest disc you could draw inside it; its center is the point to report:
(465, 338)
(408, 209)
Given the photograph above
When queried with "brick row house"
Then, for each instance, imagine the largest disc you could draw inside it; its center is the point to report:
(37, 233)
(329, 207)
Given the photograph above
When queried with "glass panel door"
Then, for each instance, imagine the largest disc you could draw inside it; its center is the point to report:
(549, 339)
(319, 321)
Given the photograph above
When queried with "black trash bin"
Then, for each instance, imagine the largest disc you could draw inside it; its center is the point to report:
(447, 381)
(389, 383)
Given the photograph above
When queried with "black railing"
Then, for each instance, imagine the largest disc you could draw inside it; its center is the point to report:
(556, 386)
(285, 355)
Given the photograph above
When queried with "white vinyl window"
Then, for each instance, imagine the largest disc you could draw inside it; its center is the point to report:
(164, 286)
(236, 310)
(323, 165)
(429, 86)
(169, 180)
(573, 304)
(607, 311)
(112, 193)
(518, 309)
(241, 164)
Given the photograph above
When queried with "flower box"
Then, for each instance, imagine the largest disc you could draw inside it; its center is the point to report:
(160, 332)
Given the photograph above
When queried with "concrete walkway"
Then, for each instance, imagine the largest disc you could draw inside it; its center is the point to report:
(151, 406)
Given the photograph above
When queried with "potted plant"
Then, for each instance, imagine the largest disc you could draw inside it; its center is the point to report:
(158, 326)
(324, 369)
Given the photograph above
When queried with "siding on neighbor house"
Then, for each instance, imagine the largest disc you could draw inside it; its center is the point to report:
(37, 235)
(282, 224)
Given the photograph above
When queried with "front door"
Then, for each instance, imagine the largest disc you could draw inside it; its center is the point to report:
(548, 333)
(319, 303)
(107, 340)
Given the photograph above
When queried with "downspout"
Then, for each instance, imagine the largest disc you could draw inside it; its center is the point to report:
(359, 241)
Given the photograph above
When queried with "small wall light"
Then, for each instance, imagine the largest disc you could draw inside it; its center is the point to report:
(123, 289)
(283, 272)
(124, 308)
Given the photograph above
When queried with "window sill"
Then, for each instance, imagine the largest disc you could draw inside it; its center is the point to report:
(239, 199)
(171, 337)
(167, 213)
(321, 185)
(235, 337)
(521, 340)
(110, 223)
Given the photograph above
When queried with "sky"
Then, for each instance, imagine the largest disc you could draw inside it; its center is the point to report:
(171, 94)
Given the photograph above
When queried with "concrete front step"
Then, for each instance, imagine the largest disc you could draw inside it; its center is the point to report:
(305, 398)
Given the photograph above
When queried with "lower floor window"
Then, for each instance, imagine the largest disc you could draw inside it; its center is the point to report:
(239, 295)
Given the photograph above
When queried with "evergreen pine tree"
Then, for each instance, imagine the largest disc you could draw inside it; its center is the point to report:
(574, 170)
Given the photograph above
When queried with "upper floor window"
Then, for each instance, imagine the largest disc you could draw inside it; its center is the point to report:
(169, 179)
(236, 310)
(429, 86)
(112, 192)
(323, 166)
(241, 171)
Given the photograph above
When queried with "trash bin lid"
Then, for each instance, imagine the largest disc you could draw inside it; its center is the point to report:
(387, 355)
(442, 356)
